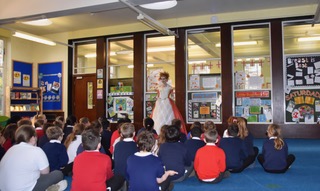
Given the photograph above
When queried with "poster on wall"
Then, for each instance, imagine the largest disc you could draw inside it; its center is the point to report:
(303, 106)
(50, 82)
(302, 71)
(22, 74)
(255, 106)
(153, 79)
(204, 106)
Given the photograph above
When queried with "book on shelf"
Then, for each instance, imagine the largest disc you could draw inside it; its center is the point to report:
(12, 95)
(17, 95)
(29, 95)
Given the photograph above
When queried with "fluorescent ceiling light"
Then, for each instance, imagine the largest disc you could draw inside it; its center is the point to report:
(91, 55)
(40, 22)
(160, 5)
(130, 66)
(243, 43)
(308, 39)
(161, 49)
(150, 65)
(197, 62)
(150, 22)
(34, 38)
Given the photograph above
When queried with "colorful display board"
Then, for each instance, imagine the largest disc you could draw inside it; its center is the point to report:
(302, 94)
(255, 106)
(22, 74)
(50, 82)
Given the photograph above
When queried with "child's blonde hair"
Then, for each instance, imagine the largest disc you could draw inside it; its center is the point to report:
(242, 125)
(209, 125)
(77, 130)
(275, 131)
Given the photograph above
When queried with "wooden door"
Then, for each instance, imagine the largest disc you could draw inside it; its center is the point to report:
(84, 96)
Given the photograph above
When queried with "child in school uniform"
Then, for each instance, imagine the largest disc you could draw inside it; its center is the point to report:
(207, 126)
(124, 148)
(92, 170)
(235, 150)
(55, 151)
(275, 157)
(174, 155)
(194, 143)
(145, 171)
(210, 160)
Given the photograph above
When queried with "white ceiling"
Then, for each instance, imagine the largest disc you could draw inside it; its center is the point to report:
(110, 14)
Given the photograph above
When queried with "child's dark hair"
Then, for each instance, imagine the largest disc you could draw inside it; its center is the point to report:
(196, 124)
(148, 123)
(172, 134)
(196, 132)
(9, 131)
(211, 135)
(104, 122)
(39, 123)
(146, 141)
(90, 139)
(233, 130)
(24, 133)
(24, 122)
(176, 122)
(54, 132)
(127, 130)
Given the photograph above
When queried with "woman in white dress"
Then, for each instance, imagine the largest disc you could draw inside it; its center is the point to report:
(165, 109)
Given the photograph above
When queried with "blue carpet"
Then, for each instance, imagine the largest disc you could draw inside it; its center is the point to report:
(303, 174)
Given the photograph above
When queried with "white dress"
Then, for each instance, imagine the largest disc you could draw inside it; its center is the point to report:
(163, 111)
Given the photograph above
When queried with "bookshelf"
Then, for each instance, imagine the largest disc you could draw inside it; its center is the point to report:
(25, 102)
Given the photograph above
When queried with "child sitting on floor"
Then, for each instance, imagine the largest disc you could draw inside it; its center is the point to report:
(92, 170)
(210, 160)
(274, 157)
(55, 151)
(144, 170)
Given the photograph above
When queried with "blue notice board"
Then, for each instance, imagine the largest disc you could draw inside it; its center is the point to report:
(22, 74)
(50, 82)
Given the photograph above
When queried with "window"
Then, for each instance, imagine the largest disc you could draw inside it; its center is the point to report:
(2, 63)
(85, 60)
(252, 73)
(301, 44)
(203, 75)
(120, 78)
(159, 56)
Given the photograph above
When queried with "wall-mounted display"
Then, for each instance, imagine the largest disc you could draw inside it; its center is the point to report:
(302, 71)
(255, 106)
(302, 96)
(204, 106)
(50, 82)
(22, 74)
(303, 106)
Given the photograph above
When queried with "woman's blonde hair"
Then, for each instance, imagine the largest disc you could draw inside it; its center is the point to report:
(275, 131)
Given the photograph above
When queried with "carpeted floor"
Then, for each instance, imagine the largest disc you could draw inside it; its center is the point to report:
(303, 175)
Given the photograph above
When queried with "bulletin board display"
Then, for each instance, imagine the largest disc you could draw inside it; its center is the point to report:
(255, 106)
(302, 106)
(204, 106)
(50, 82)
(22, 74)
(302, 71)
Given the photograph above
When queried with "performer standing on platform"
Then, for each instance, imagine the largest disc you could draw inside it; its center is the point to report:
(165, 109)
